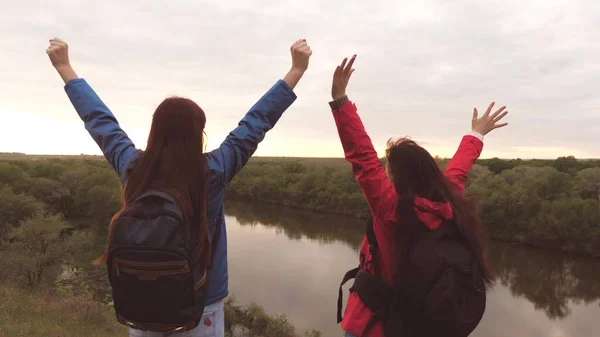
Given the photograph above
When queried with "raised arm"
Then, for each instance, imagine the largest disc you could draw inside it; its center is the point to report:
(243, 141)
(358, 148)
(471, 145)
(101, 124)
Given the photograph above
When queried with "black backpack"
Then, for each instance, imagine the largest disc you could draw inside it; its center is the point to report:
(442, 291)
(156, 286)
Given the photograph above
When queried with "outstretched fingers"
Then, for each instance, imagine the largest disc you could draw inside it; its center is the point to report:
(496, 119)
(349, 70)
(489, 109)
(343, 65)
(497, 126)
(495, 114)
(351, 62)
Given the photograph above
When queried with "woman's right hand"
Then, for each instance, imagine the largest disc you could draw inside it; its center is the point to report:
(58, 51)
(301, 53)
(486, 123)
(341, 76)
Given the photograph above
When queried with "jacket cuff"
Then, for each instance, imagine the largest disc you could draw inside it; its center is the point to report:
(476, 135)
(73, 82)
(335, 105)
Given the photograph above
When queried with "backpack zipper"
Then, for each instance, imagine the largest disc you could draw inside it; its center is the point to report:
(161, 268)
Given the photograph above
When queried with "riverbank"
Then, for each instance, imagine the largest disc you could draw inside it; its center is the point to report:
(498, 237)
(543, 204)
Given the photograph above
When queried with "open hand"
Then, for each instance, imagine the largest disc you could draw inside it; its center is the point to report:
(341, 76)
(58, 51)
(487, 122)
(300, 54)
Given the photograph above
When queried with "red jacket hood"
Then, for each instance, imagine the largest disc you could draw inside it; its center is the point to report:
(432, 214)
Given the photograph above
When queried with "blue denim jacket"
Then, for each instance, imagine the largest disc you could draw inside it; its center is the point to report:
(224, 162)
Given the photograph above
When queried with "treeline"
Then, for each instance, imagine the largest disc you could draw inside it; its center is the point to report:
(545, 203)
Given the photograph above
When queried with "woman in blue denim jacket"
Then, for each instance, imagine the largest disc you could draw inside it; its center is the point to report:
(174, 158)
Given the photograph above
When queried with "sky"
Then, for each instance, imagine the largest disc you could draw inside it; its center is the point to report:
(421, 68)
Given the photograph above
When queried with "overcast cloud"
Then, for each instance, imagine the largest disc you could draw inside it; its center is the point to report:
(421, 69)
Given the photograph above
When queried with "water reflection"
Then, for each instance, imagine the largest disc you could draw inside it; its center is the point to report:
(297, 224)
(552, 281)
(538, 293)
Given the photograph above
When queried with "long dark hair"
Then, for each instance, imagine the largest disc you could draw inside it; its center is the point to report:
(173, 162)
(415, 173)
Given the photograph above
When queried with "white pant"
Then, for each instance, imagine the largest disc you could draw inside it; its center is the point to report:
(212, 324)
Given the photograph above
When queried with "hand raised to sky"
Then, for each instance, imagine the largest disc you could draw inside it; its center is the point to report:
(341, 77)
(301, 53)
(488, 122)
(58, 51)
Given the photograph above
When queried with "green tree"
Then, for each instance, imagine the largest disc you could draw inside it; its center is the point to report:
(56, 196)
(15, 208)
(11, 174)
(588, 183)
(568, 164)
(497, 165)
(39, 244)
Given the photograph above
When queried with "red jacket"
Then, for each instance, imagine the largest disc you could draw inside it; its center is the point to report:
(382, 199)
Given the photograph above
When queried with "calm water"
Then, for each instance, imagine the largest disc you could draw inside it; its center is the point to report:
(291, 262)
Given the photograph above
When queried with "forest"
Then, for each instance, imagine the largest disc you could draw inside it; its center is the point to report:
(53, 218)
(543, 203)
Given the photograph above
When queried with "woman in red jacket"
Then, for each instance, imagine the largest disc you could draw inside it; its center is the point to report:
(411, 183)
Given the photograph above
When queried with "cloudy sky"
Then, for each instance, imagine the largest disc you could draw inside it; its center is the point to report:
(421, 69)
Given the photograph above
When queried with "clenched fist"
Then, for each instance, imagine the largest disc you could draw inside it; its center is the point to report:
(300, 54)
(58, 51)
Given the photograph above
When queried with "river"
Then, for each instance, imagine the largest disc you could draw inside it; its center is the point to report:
(291, 262)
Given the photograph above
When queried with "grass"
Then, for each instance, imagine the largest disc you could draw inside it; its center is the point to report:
(30, 314)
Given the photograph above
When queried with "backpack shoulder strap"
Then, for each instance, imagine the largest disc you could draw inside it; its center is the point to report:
(156, 193)
(370, 233)
(373, 245)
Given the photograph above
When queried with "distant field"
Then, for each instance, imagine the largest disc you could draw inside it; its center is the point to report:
(337, 163)
(332, 162)
(23, 156)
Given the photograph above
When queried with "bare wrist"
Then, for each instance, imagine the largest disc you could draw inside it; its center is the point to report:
(67, 73)
(297, 71)
(63, 68)
(293, 77)
(337, 97)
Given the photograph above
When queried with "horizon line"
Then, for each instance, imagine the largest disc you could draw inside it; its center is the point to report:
(291, 157)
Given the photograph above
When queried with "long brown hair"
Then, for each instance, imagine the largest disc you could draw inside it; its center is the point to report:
(415, 173)
(173, 162)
